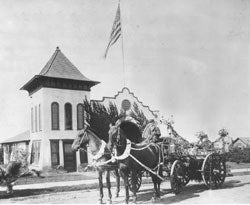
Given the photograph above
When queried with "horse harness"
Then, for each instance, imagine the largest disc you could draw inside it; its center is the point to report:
(127, 153)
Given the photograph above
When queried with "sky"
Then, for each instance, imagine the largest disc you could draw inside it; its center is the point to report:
(189, 59)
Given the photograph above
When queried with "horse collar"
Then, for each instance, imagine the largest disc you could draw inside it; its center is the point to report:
(100, 153)
(126, 153)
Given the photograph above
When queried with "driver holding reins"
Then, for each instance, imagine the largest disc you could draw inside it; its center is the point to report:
(155, 130)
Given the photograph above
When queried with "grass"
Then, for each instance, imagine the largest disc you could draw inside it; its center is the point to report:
(234, 165)
(57, 177)
(33, 192)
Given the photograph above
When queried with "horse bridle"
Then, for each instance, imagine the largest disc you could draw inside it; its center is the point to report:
(118, 137)
(82, 137)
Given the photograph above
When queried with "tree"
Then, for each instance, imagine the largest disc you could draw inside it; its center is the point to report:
(100, 117)
(1, 154)
(139, 116)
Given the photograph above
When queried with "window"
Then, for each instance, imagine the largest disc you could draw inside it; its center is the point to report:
(39, 118)
(80, 116)
(68, 116)
(35, 152)
(55, 116)
(54, 144)
(32, 120)
(36, 118)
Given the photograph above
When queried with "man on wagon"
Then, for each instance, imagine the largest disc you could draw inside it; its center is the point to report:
(155, 130)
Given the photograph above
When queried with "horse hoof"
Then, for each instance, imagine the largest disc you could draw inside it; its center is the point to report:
(155, 199)
(109, 201)
(100, 201)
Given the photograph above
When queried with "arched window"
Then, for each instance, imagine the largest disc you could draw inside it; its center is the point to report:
(68, 116)
(55, 116)
(80, 116)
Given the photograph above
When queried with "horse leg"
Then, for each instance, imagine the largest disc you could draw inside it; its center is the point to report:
(159, 184)
(9, 189)
(117, 182)
(109, 186)
(133, 179)
(156, 188)
(100, 186)
(159, 189)
(125, 178)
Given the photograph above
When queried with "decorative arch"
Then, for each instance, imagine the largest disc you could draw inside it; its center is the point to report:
(55, 116)
(68, 116)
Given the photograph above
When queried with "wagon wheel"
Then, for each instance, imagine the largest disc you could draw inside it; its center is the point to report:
(177, 176)
(213, 170)
(138, 180)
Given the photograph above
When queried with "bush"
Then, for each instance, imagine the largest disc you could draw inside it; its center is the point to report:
(1, 155)
(237, 155)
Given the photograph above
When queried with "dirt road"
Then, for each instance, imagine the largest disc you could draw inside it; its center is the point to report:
(235, 190)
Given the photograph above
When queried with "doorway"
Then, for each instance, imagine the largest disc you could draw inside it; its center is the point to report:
(69, 157)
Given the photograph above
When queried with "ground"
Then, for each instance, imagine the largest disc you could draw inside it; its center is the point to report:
(235, 190)
(234, 165)
(62, 176)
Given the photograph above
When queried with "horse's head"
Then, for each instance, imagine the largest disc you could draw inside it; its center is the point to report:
(81, 138)
(114, 134)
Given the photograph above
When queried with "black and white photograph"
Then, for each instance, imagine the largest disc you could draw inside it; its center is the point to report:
(125, 102)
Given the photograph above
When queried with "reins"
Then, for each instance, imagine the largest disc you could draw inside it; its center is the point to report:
(127, 154)
(156, 173)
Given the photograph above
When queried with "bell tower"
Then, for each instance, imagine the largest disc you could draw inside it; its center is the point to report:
(56, 112)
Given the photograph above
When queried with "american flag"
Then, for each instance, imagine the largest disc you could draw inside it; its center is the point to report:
(116, 31)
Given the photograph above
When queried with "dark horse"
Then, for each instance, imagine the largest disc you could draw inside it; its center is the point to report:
(135, 159)
(101, 154)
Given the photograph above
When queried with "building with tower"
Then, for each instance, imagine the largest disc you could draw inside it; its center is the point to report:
(57, 114)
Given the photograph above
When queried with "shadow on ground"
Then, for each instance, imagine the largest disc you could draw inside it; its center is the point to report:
(189, 191)
(34, 192)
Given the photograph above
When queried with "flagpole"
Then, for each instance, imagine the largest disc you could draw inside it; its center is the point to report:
(123, 62)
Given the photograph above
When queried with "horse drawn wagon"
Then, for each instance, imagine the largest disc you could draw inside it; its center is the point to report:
(170, 160)
(167, 159)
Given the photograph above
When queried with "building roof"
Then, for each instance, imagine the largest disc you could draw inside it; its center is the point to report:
(60, 67)
(22, 137)
(245, 140)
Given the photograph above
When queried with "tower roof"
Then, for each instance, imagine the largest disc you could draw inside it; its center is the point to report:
(58, 67)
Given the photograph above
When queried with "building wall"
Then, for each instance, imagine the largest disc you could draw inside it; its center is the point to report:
(239, 144)
(45, 97)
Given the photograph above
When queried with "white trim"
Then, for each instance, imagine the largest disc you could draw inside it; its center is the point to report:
(126, 153)
(101, 152)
